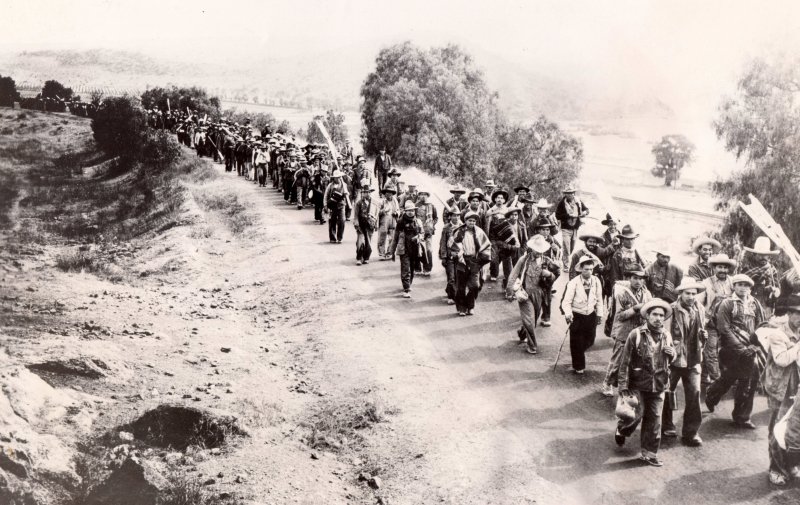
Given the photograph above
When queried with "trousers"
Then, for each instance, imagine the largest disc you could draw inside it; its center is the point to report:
(711, 357)
(691, 391)
(468, 285)
(336, 224)
(408, 264)
(742, 400)
(581, 337)
(612, 372)
(649, 414)
(529, 313)
(568, 239)
(364, 243)
(450, 270)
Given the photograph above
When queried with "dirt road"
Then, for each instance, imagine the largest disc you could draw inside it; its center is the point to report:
(491, 423)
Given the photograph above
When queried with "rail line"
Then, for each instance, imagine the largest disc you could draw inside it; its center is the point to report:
(696, 213)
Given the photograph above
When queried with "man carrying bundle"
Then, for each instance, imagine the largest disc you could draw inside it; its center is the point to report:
(569, 212)
(365, 222)
(335, 200)
(472, 250)
(408, 237)
(426, 212)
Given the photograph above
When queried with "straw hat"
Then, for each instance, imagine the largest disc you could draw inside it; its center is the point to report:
(543, 204)
(656, 303)
(721, 259)
(701, 241)
(762, 246)
(588, 258)
(409, 205)
(742, 278)
(689, 283)
(538, 244)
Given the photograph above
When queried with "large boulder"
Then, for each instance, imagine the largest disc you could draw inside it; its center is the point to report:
(78, 367)
(179, 426)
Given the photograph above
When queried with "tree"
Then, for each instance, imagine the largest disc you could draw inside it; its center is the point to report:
(672, 153)
(431, 108)
(194, 98)
(761, 124)
(333, 123)
(8, 92)
(119, 127)
(54, 89)
(541, 155)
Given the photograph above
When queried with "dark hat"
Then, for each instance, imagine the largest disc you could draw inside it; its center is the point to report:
(543, 222)
(608, 220)
(458, 190)
(360, 158)
(500, 192)
(394, 171)
(627, 232)
(634, 269)
(389, 188)
(521, 188)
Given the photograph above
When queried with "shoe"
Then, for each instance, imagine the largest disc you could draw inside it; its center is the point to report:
(493, 279)
(651, 460)
(710, 407)
(795, 471)
(545, 323)
(406, 294)
(451, 302)
(358, 263)
(462, 314)
(669, 433)
(776, 478)
(521, 335)
(338, 241)
(619, 438)
(532, 349)
(577, 372)
(747, 425)
(694, 441)
(606, 390)
(470, 312)
(365, 262)
(333, 241)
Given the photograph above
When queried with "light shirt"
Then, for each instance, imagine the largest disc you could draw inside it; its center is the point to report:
(577, 300)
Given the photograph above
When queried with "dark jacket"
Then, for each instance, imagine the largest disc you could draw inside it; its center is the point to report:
(685, 329)
(403, 242)
(382, 165)
(564, 218)
(644, 366)
(736, 321)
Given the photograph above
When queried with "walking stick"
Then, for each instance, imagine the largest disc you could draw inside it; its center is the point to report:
(562, 347)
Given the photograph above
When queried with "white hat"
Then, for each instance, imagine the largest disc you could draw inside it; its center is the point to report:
(538, 244)
(762, 246)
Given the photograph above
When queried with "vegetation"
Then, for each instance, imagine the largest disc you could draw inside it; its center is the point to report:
(120, 127)
(761, 124)
(672, 153)
(433, 108)
(8, 92)
(333, 123)
(54, 89)
(193, 98)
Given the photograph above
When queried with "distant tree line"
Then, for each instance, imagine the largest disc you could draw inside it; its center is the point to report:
(433, 108)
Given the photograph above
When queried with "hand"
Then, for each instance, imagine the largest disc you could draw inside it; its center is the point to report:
(393, 257)
(637, 307)
(546, 274)
(703, 335)
(669, 351)
(624, 392)
(569, 318)
(599, 320)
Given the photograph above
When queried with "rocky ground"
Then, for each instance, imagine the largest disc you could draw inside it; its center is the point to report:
(226, 352)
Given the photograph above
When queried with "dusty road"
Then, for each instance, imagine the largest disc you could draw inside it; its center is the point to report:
(493, 424)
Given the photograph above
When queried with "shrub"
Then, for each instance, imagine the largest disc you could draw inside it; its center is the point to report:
(119, 127)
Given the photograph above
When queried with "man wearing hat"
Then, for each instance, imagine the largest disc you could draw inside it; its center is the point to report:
(472, 250)
(426, 212)
(543, 228)
(532, 271)
(688, 337)
(494, 216)
(475, 203)
(394, 176)
(489, 188)
(625, 254)
(455, 202)
(610, 235)
(302, 184)
(361, 174)
(408, 237)
(781, 338)
(410, 195)
(521, 193)
(630, 296)
(663, 277)
(383, 163)
(644, 372)
(759, 267)
(334, 200)
(320, 182)
(593, 248)
(717, 288)
(736, 319)
(365, 222)
(509, 250)
(389, 212)
(582, 305)
(543, 212)
(704, 247)
(569, 212)
(445, 245)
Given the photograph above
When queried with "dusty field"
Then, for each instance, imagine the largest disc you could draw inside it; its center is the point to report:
(330, 372)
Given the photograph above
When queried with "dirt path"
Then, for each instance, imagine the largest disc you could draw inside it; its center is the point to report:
(480, 421)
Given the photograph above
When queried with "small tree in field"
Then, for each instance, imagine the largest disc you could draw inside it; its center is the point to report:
(672, 153)
(119, 127)
(54, 89)
(8, 91)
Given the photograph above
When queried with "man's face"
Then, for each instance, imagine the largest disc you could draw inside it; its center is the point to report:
(474, 203)
(591, 244)
(570, 197)
(705, 251)
(542, 211)
(365, 194)
(543, 231)
(636, 282)
(612, 228)
(499, 200)
(394, 177)
(721, 271)
(586, 270)
(410, 213)
(662, 259)
(741, 289)
(453, 218)
(655, 317)
(412, 190)
(423, 197)
(470, 223)
(688, 296)
(794, 318)
(762, 259)
(627, 243)
(512, 218)
(383, 152)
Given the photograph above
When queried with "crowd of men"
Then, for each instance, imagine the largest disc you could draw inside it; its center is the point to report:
(724, 323)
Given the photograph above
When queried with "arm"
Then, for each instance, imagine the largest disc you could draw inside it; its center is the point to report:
(325, 196)
(569, 296)
(515, 272)
(625, 309)
(728, 338)
(625, 361)
(598, 308)
(784, 351)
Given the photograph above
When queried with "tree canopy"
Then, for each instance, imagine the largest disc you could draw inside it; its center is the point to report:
(761, 124)
(333, 123)
(193, 98)
(8, 91)
(672, 153)
(119, 127)
(54, 89)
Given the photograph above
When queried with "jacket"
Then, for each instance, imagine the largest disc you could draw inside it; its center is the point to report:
(567, 222)
(444, 241)
(407, 230)
(625, 317)
(662, 281)
(366, 214)
(736, 321)
(783, 353)
(389, 210)
(700, 271)
(644, 365)
(615, 266)
(382, 165)
(685, 327)
(426, 212)
(576, 299)
(534, 280)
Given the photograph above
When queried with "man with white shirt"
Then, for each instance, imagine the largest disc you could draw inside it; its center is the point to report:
(583, 310)
(717, 288)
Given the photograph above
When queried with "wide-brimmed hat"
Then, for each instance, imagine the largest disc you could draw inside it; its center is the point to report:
(423, 192)
(521, 187)
(538, 244)
(608, 220)
(634, 269)
(701, 241)
(664, 250)
(590, 234)
(394, 171)
(569, 189)
(791, 302)
(360, 158)
(689, 283)
(490, 183)
(471, 215)
(458, 189)
(762, 246)
(512, 210)
(722, 259)
(656, 303)
(409, 205)
(742, 278)
(627, 232)
(543, 222)
(500, 192)
(337, 173)
(587, 258)
(389, 188)
(543, 204)
(476, 193)
(365, 186)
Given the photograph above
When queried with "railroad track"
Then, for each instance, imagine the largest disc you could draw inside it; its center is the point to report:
(649, 205)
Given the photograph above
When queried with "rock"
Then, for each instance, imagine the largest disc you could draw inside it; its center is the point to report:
(225, 349)
(209, 482)
(133, 483)
(78, 367)
(220, 475)
(178, 426)
(215, 451)
(125, 436)
(364, 477)
(239, 479)
(314, 455)
(374, 482)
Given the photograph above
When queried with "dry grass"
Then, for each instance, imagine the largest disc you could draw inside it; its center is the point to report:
(259, 413)
(184, 490)
(337, 426)
(225, 203)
